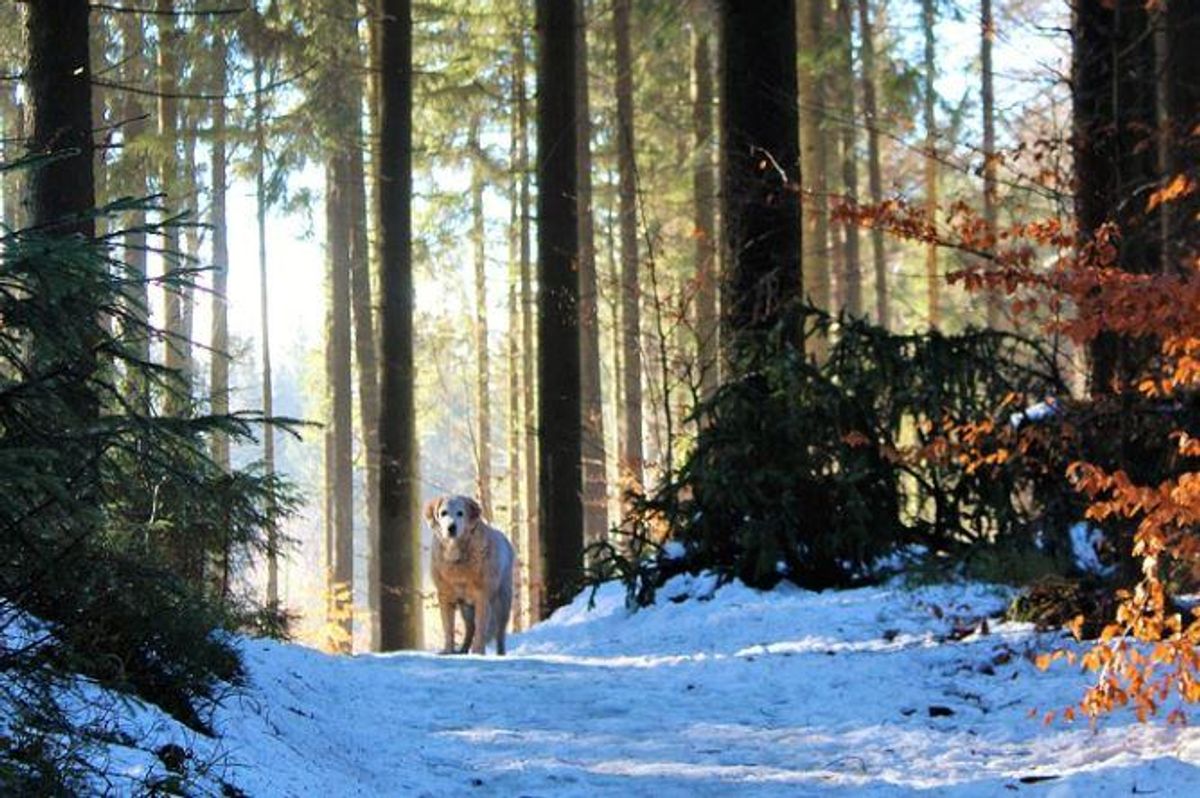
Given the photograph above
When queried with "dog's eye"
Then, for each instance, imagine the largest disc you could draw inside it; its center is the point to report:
(459, 513)
(445, 513)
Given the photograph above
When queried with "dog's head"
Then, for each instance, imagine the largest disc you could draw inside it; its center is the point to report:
(454, 520)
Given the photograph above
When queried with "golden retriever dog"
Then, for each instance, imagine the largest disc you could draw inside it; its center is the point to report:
(472, 564)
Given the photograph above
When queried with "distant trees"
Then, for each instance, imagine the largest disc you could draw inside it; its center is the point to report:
(559, 421)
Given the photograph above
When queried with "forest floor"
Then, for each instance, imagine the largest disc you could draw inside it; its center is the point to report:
(875, 692)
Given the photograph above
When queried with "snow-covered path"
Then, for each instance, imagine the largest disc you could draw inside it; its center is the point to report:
(866, 692)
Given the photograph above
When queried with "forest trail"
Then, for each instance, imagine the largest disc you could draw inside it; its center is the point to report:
(873, 692)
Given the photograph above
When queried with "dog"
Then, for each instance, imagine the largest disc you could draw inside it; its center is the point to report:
(472, 565)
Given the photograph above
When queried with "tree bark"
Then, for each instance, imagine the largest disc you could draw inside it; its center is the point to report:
(401, 620)
(533, 547)
(760, 145)
(1114, 84)
(704, 195)
(595, 483)
(630, 453)
(933, 278)
(987, 98)
(268, 393)
(134, 166)
(339, 388)
(560, 433)
(817, 282)
(852, 301)
(219, 364)
(175, 357)
(483, 403)
(874, 172)
(58, 85)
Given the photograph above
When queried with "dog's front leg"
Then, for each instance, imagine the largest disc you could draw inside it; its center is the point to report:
(468, 613)
(446, 605)
(481, 623)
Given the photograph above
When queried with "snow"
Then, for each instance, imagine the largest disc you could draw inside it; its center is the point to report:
(1085, 543)
(1034, 413)
(880, 691)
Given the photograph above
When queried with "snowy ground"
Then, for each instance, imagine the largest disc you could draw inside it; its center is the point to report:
(874, 692)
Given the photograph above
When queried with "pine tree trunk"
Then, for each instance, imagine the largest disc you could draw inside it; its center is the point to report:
(595, 498)
(560, 433)
(1114, 98)
(704, 195)
(987, 97)
(516, 394)
(852, 300)
(100, 122)
(58, 89)
(933, 277)
(134, 166)
(874, 172)
(268, 393)
(630, 454)
(339, 388)
(761, 154)
(817, 282)
(533, 547)
(219, 365)
(168, 112)
(401, 620)
(190, 182)
(483, 402)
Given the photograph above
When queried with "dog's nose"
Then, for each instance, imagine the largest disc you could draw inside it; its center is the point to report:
(452, 529)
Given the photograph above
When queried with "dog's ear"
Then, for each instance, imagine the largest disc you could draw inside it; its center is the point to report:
(474, 511)
(431, 509)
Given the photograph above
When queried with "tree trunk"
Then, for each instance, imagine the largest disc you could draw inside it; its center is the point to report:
(987, 98)
(1113, 110)
(630, 453)
(364, 260)
(135, 169)
(533, 543)
(483, 403)
(339, 388)
(175, 358)
(874, 172)
(704, 195)
(401, 620)
(760, 145)
(58, 86)
(268, 393)
(595, 490)
(852, 301)
(190, 187)
(219, 365)
(933, 278)
(817, 282)
(560, 433)
(366, 355)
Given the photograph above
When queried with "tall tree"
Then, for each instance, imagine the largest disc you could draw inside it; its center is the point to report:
(175, 358)
(760, 149)
(852, 301)
(595, 499)
(559, 418)
(1113, 81)
(933, 277)
(987, 99)
(630, 455)
(704, 196)
(483, 403)
(817, 272)
(399, 541)
(219, 364)
(874, 172)
(133, 169)
(340, 505)
(533, 547)
(261, 201)
(58, 85)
